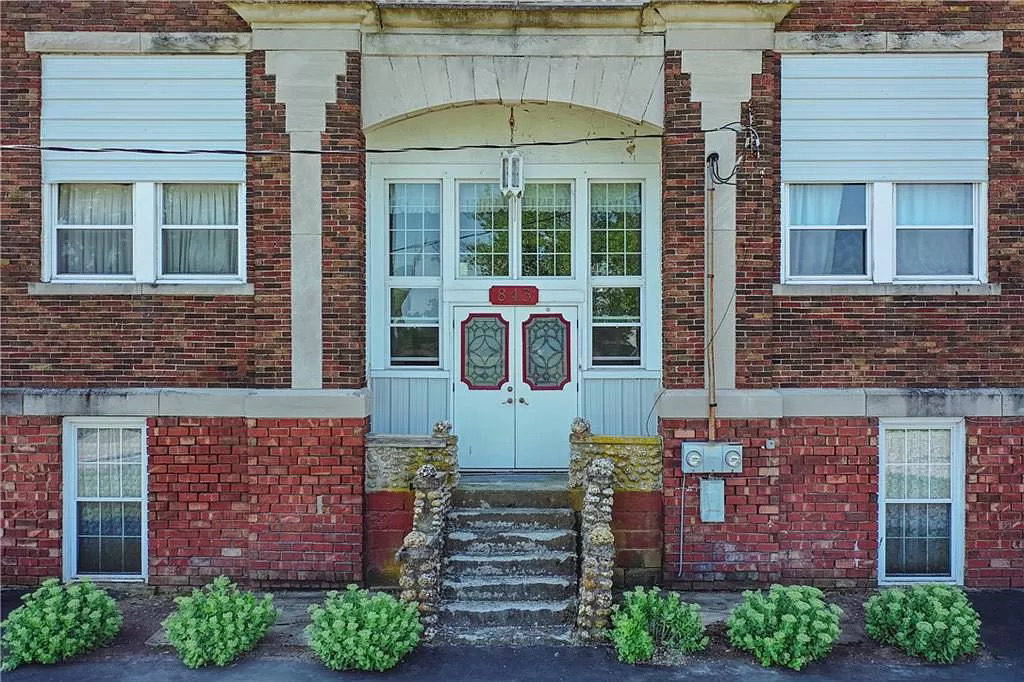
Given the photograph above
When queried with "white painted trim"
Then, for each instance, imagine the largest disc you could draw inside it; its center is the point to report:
(909, 289)
(122, 42)
(958, 477)
(844, 402)
(137, 289)
(69, 532)
(189, 402)
(797, 42)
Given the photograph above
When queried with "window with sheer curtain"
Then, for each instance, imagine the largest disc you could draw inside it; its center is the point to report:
(147, 232)
(883, 232)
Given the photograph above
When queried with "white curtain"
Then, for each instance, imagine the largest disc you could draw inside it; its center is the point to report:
(824, 251)
(94, 251)
(201, 249)
(934, 251)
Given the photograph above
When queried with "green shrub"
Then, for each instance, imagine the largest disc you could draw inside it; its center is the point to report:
(790, 626)
(647, 620)
(218, 623)
(357, 629)
(58, 622)
(936, 622)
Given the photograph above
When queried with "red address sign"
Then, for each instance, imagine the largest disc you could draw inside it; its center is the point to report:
(514, 295)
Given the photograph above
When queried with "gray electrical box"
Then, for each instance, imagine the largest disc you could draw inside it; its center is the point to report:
(712, 458)
(712, 500)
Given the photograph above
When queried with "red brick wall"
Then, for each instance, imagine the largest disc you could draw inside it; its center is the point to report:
(682, 239)
(30, 499)
(995, 502)
(344, 240)
(923, 341)
(807, 511)
(139, 340)
(269, 501)
(266, 501)
(637, 524)
(388, 520)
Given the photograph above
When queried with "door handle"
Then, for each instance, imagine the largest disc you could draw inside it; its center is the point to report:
(521, 400)
(508, 401)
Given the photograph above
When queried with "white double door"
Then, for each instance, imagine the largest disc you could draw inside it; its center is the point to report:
(516, 385)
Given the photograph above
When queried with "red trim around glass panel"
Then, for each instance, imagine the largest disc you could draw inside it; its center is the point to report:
(464, 354)
(568, 352)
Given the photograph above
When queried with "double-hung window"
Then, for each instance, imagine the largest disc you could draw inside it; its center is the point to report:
(884, 168)
(921, 500)
(124, 216)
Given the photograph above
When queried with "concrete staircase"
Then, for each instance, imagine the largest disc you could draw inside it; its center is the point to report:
(510, 568)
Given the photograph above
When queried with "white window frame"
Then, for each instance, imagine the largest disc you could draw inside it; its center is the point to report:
(146, 230)
(69, 540)
(880, 241)
(957, 473)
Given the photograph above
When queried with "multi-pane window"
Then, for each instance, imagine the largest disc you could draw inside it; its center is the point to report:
(105, 497)
(414, 269)
(483, 230)
(616, 273)
(921, 504)
(546, 221)
(147, 232)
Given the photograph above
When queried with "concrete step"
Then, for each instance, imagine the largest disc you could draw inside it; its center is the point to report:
(510, 541)
(499, 613)
(506, 518)
(547, 562)
(476, 635)
(518, 588)
(467, 497)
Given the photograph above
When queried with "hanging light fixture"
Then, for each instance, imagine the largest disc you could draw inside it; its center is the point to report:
(511, 173)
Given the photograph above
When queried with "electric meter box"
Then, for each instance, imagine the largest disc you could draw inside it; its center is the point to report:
(712, 458)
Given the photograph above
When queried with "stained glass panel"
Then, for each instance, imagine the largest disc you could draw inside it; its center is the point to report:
(485, 352)
(546, 352)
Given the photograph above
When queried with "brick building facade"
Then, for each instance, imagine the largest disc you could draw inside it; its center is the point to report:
(254, 393)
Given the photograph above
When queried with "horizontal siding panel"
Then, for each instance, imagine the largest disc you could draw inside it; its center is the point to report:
(936, 129)
(895, 109)
(886, 171)
(884, 88)
(141, 168)
(885, 66)
(178, 66)
(884, 117)
(866, 150)
(179, 102)
(129, 88)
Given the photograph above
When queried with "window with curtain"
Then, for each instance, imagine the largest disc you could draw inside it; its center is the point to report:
(146, 232)
(882, 232)
(199, 229)
(94, 229)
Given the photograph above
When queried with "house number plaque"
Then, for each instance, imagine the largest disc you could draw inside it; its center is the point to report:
(512, 295)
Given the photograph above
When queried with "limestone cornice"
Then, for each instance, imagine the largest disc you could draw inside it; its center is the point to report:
(673, 12)
(287, 13)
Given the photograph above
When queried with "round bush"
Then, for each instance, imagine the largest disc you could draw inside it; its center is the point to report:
(218, 623)
(790, 626)
(936, 622)
(58, 622)
(649, 619)
(357, 629)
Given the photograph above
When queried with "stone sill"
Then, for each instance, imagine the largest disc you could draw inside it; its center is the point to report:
(886, 289)
(137, 289)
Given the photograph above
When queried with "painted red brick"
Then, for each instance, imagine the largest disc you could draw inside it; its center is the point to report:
(388, 520)
(30, 499)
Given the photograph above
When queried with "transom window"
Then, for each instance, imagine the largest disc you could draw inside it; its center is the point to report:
(147, 232)
(883, 232)
(921, 507)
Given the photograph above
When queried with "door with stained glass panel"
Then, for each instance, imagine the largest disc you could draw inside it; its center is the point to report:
(516, 386)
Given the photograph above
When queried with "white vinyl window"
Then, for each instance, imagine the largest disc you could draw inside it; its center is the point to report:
(921, 500)
(147, 232)
(883, 232)
(105, 498)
